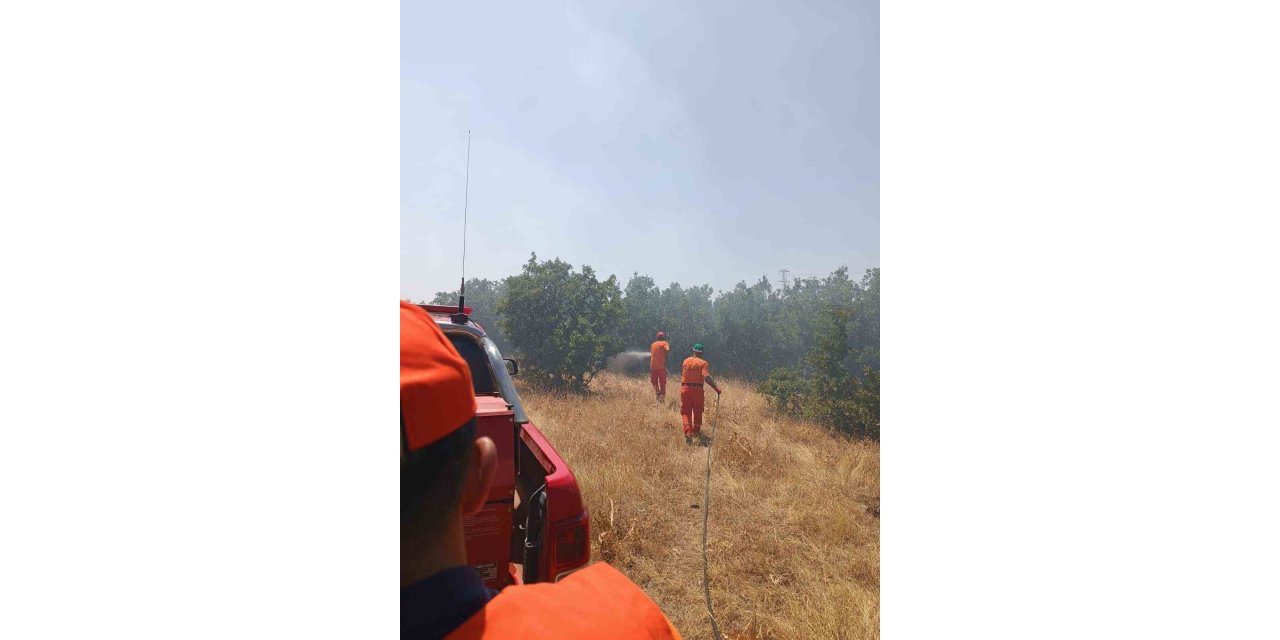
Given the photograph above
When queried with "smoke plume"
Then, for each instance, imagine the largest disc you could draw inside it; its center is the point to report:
(629, 363)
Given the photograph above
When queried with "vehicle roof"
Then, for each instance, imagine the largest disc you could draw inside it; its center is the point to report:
(446, 324)
(470, 327)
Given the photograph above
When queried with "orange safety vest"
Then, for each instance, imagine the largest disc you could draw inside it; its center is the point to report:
(596, 602)
(658, 354)
(694, 369)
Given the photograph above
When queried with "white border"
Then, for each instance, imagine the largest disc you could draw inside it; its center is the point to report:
(1080, 322)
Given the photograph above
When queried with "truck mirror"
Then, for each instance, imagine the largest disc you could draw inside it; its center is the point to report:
(513, 367)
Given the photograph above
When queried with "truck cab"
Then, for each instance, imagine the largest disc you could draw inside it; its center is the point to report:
(534, 526)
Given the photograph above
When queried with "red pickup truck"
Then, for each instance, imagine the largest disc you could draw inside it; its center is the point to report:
(534, 526)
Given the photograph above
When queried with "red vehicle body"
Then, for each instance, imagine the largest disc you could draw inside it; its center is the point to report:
(533, 526)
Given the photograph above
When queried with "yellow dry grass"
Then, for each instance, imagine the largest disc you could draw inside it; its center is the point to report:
(794, 527)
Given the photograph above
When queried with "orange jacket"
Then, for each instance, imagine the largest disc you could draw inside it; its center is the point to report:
(596, 602)
(658, 354)
(694, 369)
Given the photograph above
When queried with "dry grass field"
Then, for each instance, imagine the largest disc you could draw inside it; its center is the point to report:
(795, 512)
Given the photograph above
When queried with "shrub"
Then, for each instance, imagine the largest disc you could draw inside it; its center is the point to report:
(825, 392)
(783, 388)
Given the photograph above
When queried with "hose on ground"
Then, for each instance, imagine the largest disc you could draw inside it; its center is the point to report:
(706, 514)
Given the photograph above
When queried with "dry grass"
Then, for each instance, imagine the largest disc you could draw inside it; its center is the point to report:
(795, 532)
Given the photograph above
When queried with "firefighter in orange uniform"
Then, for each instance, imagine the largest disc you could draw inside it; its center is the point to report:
(694, 372)
(658, 365)
(445, 472)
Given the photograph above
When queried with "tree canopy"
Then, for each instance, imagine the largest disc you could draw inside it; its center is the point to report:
(563, 322)
(814, 346)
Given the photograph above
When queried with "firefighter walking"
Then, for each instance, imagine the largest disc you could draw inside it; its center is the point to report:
(694, 373)
(658, 365)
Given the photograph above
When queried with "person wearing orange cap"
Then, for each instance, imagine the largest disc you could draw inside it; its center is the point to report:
(658, 365)
(694, 372)
(445, 472)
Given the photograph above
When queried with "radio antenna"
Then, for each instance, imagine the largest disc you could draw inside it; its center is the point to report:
(466, 195)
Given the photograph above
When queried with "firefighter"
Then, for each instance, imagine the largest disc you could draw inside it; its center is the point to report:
(694, 372)
(658, 365)
(445, 473)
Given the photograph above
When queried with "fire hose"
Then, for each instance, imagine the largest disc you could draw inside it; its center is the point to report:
(706, 513)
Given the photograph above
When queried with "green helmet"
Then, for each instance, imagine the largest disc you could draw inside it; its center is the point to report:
(697, 347)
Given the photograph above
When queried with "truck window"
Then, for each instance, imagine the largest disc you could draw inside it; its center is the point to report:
(470, 350)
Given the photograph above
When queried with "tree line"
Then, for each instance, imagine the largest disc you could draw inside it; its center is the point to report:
(812, 347)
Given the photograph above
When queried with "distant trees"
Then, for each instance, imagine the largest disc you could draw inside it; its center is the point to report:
(642, 312)
(482, 297)
(743, 331)
(687, 319)
(864, 323)
(813, 348)
(830, 396)
(837, 382)
(822, 388)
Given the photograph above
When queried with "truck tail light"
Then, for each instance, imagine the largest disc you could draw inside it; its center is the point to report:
(570, 546)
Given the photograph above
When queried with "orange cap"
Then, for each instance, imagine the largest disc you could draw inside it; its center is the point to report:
(436, 396)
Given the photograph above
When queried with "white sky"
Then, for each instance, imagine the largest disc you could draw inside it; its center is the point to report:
(693, 142)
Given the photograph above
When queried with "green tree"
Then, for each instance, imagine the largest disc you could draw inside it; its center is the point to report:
(687, 319)
(864, 324)
(784, 388)
(743, 332)
(829, 393)
(830, 387)
(642, 312)
(563, 323)
(792, 322)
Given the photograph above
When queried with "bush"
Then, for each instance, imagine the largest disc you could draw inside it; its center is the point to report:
(866, 401)
(825, 392)
(783, 388)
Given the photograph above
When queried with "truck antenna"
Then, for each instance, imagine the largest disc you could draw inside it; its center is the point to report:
(466, 194)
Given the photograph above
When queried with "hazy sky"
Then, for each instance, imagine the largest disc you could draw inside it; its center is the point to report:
(696, 142)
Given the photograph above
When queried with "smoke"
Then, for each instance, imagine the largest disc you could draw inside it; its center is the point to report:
(629, 362)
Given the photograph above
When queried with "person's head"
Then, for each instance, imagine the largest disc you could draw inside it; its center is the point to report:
(662, 335)
(445, 471)
(697, 349)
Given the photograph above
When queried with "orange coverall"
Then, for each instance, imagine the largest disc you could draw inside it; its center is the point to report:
(596, 602)
(658, 367)
(693, 374)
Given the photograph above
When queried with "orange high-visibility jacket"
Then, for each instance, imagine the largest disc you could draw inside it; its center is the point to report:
(694, 369)
(658, 354)
(596, 602)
